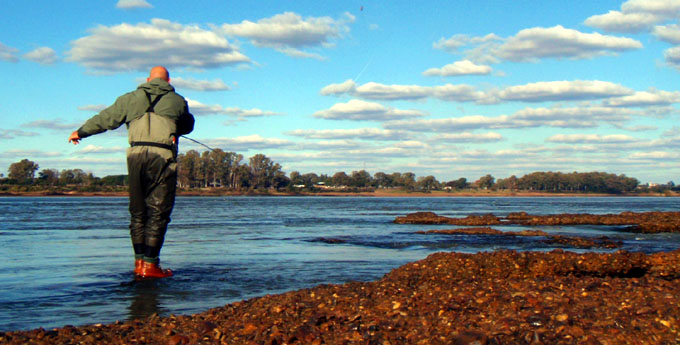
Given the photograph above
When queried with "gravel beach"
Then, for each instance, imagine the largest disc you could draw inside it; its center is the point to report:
(501, 297)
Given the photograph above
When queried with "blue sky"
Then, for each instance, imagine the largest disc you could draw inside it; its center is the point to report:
(445, 88)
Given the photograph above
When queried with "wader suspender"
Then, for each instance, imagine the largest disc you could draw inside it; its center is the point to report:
(150, 143)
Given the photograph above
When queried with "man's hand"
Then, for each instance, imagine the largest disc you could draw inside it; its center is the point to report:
(75, 138)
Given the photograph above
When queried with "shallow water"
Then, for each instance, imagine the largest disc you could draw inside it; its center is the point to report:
(68, 260)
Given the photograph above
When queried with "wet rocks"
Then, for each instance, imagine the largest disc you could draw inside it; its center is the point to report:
(570, 241)
(501, 297)
(329, 240)
(432, 218)
(646, 222)
(465, 231)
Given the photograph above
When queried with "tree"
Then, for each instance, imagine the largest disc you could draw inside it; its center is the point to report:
(460, 183)
(296, 178)
(115, 180)
(23, 171)
(187, 168)
(49, 177)
(263, 171)
(360, 179)
(310, 179)
(72, 176)
(382, 180)
(428, 183)
(507, 183)
(408, 180)
(486, 181)
(340, 178)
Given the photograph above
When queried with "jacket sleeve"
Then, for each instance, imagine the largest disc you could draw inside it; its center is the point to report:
(185, 124)
(108, 119)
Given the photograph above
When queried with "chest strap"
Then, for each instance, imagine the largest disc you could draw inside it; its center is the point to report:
(150, 110)
(152, 104)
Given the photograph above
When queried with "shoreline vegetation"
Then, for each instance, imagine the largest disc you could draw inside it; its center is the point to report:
(217, 192)
(224, 173)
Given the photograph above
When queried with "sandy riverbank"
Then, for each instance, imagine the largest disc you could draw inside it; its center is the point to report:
(502, 297)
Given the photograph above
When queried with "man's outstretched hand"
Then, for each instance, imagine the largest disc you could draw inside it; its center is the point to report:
(75, 138)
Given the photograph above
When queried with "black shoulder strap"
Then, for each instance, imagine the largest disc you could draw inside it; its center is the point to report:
(152, 104)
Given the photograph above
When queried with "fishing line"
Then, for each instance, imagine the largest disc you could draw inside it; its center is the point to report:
(200, 143)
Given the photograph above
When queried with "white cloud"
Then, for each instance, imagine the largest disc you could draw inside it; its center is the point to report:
(616, 21)
(347, 86)
(668, 33)
(56, 124)
(8, 53)
(131, 4)
(42, 55)
(358, 133)
(245, 143)
(289, 32)
(93, 107)
(377, 91)
(645, 98)
(357, 110)
(640, 128)
(672, 56)
(453, 43)
(656, 155)
(199, 85)
(13, 133)
(93, 149)
(560, 42)
(533, 92)
(127, 47)
(463, 67)
(636, 15)
(28, 154)
(591, 138)
(328, 145)
(450, 124)
(198, 108)
(575, 117)
(467, 137)
(563, 91)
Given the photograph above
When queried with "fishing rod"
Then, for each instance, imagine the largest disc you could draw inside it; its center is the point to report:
(200, 143)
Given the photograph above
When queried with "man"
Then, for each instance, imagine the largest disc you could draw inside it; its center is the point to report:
(156, 117)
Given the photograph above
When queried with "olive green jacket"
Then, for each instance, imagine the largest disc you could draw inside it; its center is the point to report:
(133, 105)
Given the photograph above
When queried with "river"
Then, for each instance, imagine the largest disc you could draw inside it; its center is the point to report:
(68, 260)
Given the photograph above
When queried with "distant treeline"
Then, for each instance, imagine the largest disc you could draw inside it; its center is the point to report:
(218, 169)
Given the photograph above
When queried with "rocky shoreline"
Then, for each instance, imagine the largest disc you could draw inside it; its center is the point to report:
(502, 297)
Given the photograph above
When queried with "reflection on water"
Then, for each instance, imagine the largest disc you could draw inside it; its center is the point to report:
(55, 271)
(144, 301)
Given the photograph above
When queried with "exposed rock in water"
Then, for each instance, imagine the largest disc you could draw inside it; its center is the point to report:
(647, 222)
(572, 241)
(502, 297)
(433, 218)
(329, 240)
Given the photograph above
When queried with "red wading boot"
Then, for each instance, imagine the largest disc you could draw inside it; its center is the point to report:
(138, 267)
(152, 270)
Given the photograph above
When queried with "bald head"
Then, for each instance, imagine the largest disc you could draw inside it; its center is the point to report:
(159, 72)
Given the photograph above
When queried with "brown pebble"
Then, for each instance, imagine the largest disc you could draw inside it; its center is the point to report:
(178, 340)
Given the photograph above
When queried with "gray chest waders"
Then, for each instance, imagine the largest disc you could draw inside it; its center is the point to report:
(152, 176)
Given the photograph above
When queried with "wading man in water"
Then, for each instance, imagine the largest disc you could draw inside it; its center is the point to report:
(156, 117)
